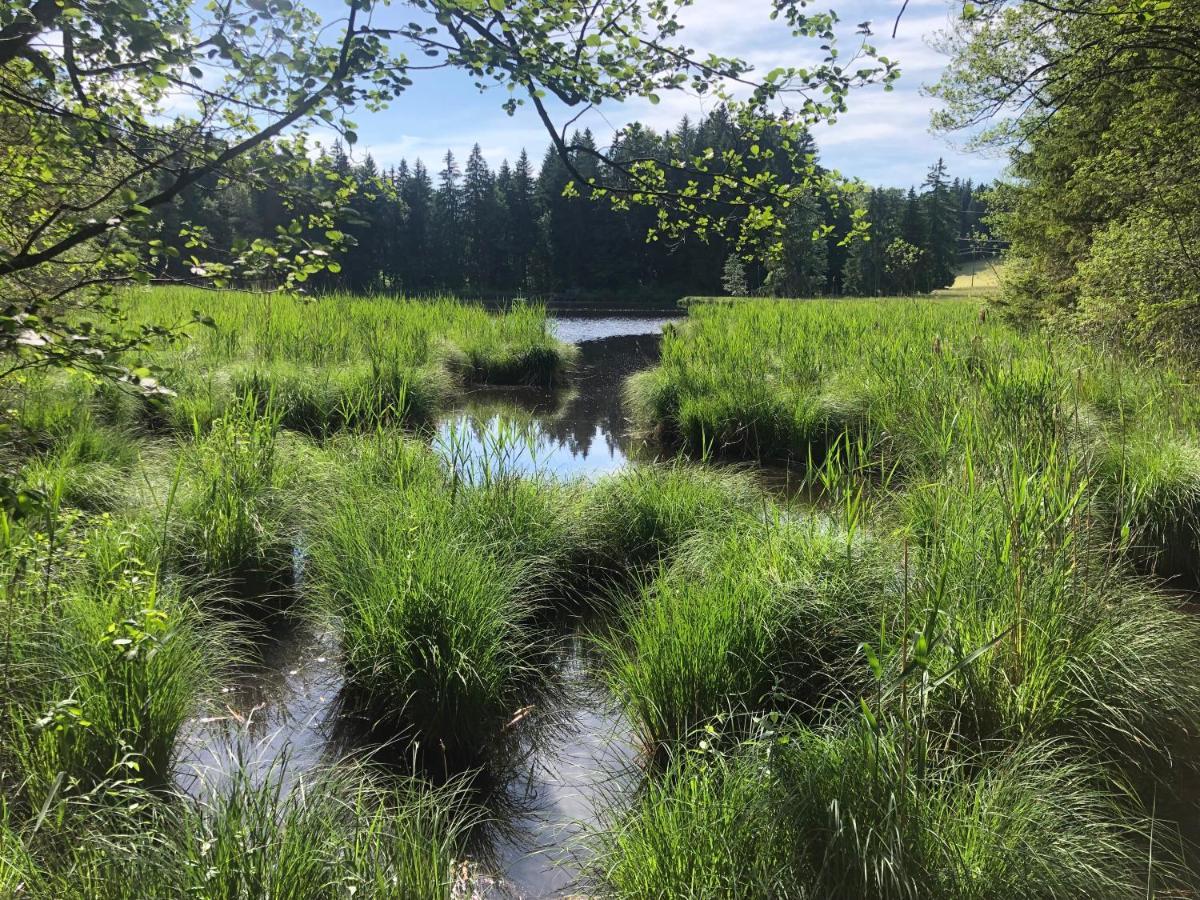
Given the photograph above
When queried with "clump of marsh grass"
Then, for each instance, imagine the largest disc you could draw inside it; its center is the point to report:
(102, 663)
(707, 827)
(866, 818)
(1151, 490)
(336, 834)
(229, 521)
(437, 620)
(764, 614)
(345, 362)
(530, 524)
(634, 518)
(523, 351)
(88, 468)
(691, 652)
(844, 813)
(1076, 648)
(321, 401)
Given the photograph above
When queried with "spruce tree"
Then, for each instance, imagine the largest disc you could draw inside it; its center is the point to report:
(941, 218)
(733, 277)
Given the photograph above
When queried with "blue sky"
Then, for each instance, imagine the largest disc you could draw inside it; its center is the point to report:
(884, 138)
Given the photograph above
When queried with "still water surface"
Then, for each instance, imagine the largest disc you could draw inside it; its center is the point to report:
(279, 715)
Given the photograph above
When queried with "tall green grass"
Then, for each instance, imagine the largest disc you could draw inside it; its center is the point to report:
(341, 361)
(439, 587)
(635, 517)
(102, 662)
(918, 383)
(970, 680)
(1078, 647)
(849, 812)
(843, 814)
(949, 669)
(750, 617)
(228, 509)
(338, 834)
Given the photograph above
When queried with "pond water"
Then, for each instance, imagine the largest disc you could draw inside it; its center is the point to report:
(577, 432)
(279, 714)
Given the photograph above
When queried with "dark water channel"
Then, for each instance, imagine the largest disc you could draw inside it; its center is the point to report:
(279, 716)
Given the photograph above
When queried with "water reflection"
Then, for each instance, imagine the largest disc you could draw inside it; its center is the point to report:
(581, 766)
(580, 329)
(273, 716)
(579, 432)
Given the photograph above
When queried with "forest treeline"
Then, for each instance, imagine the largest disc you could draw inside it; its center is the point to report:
(467, 228)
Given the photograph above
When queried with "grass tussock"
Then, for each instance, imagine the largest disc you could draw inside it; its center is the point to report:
(103, 663)
(228, 509)
(846, 814)
(440, 588)
(340, 834)
(755, 616)
(635, 517)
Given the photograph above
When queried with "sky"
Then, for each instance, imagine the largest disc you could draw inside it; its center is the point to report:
(883, 139)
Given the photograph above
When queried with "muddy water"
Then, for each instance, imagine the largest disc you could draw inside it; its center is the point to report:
(278, 716)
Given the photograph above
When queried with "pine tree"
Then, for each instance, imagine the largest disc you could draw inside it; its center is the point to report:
(447, 224)
(418, 264)
(801, 268)
(733, 277)
(480, 223)
(941, 218)
(521, 225)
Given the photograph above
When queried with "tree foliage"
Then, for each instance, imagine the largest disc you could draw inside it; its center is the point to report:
(1099, 105)
(112, 109)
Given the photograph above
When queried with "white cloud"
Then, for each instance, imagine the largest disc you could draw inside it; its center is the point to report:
(884, 138)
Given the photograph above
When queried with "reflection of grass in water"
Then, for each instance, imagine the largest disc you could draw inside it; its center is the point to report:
(517, 433)
(483, 449)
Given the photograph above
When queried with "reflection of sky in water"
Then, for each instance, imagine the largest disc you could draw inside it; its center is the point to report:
(577, 329)
(481, 446)
(274, 714)
(577, 432)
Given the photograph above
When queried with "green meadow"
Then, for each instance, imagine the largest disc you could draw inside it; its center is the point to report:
(961, 661)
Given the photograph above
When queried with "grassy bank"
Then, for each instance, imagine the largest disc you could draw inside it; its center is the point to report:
(322, 365)
(963, 677)
(920, 387)
(168, 531)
